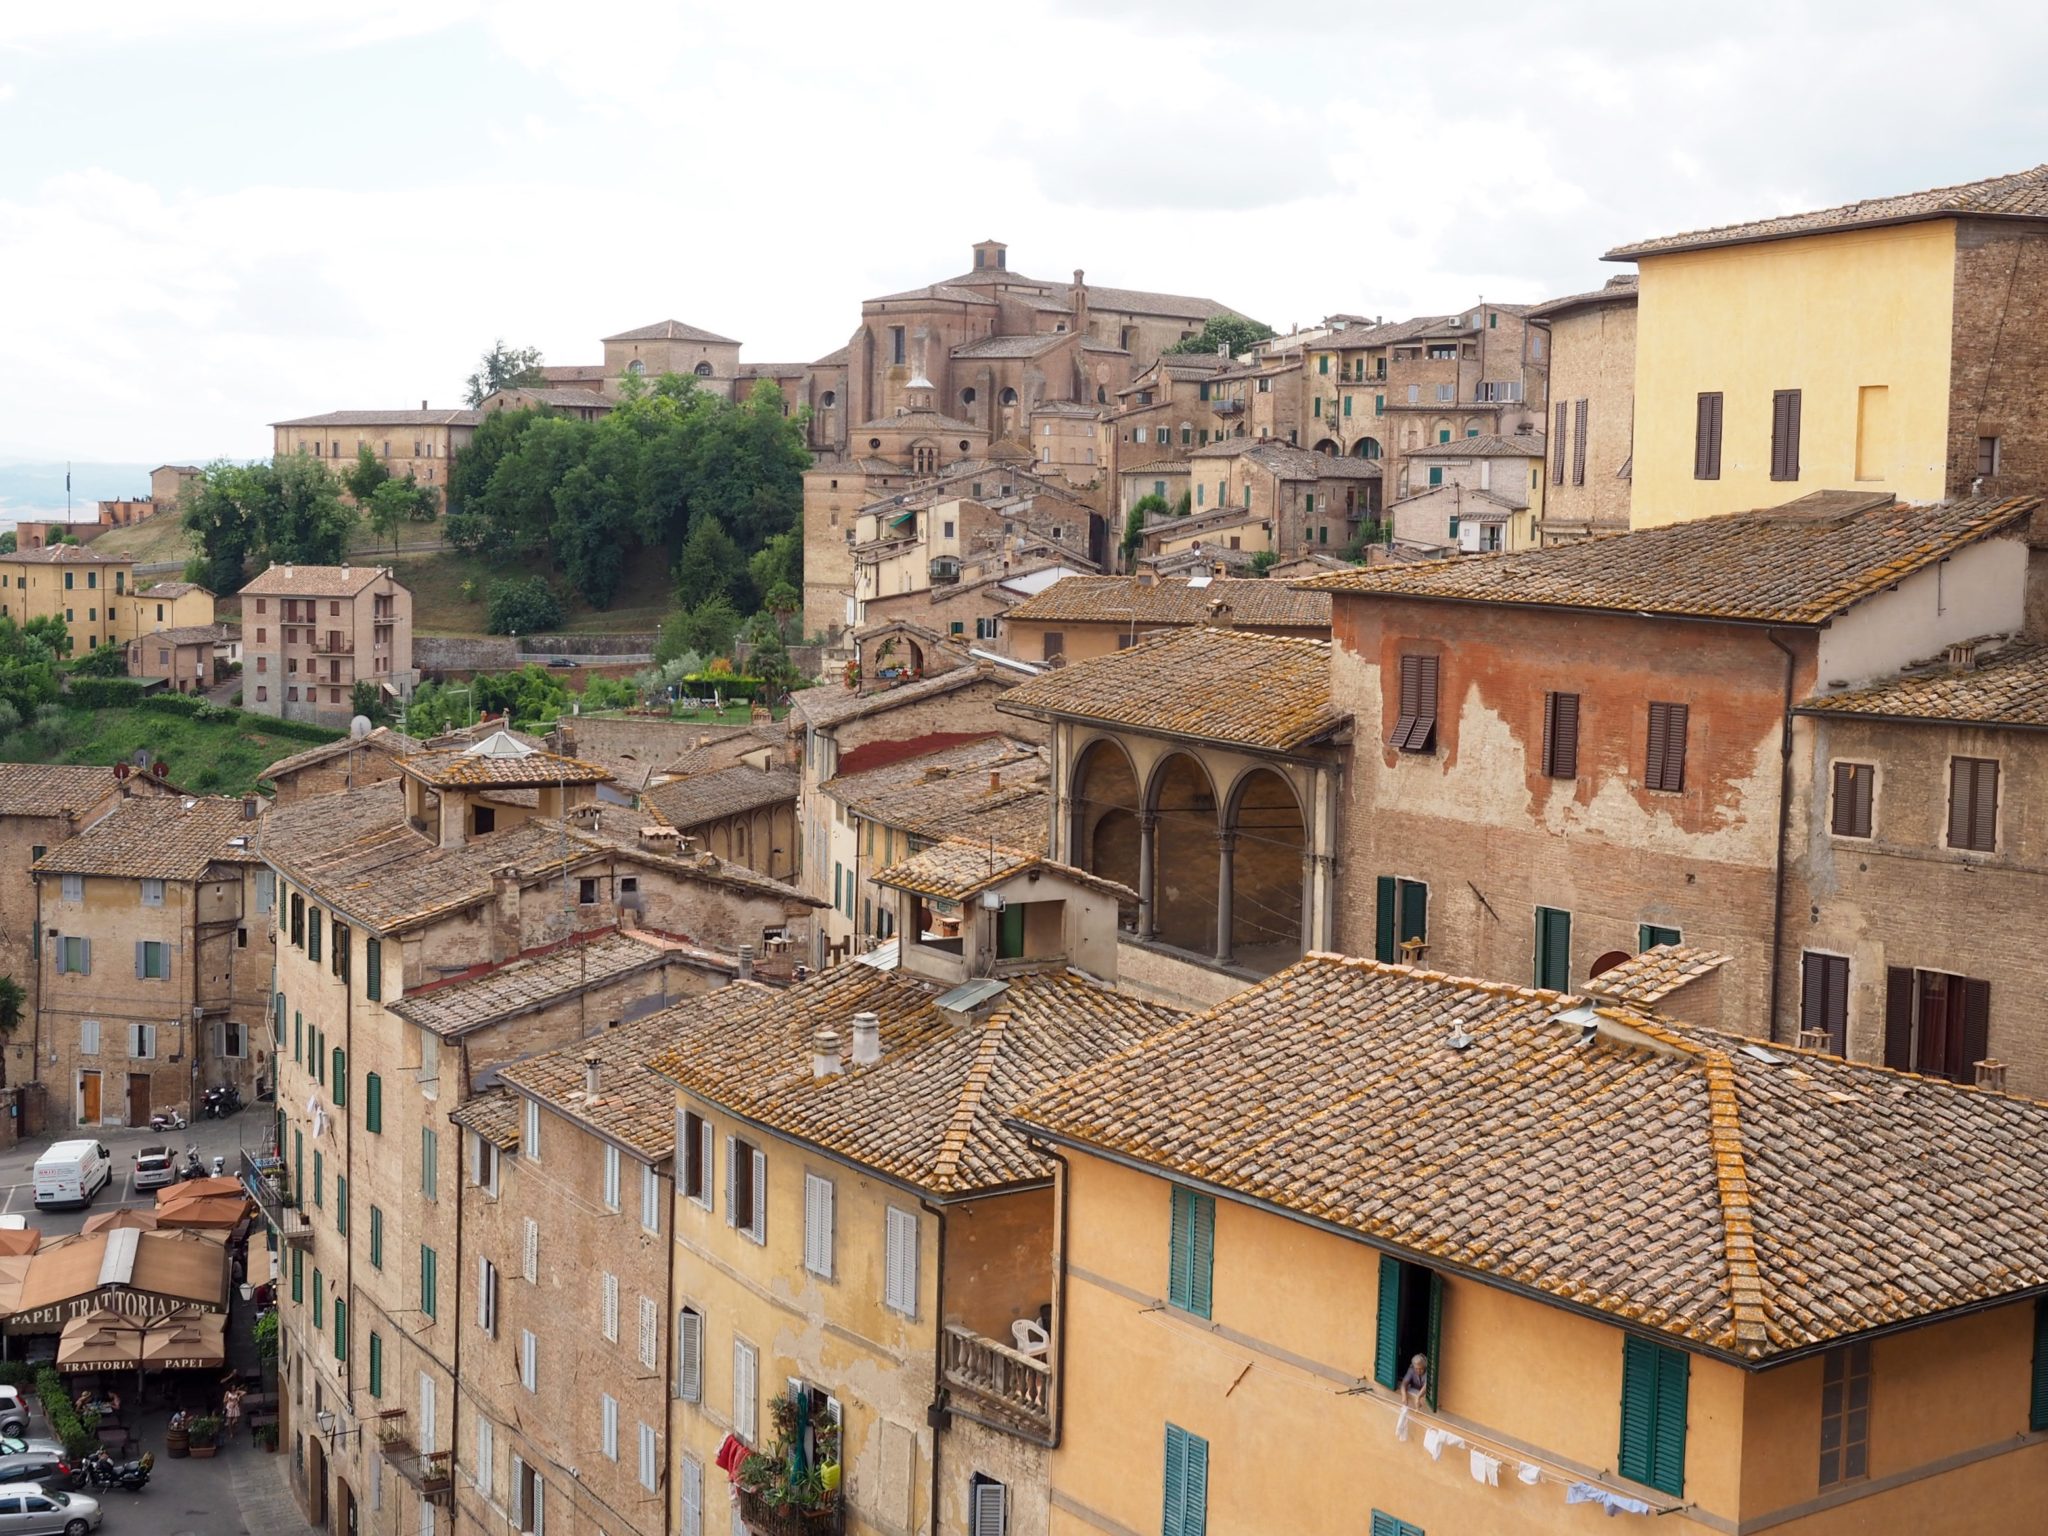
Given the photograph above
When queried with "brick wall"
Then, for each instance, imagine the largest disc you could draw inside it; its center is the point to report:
(1593, 358)
(2000, 352)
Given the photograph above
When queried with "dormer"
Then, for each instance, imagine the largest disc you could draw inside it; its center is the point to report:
(991, 256)
(461, 793)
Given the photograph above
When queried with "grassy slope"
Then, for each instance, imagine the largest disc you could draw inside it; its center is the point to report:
(224, 756)
(438, 607)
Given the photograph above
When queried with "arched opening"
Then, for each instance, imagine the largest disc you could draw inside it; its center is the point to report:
(636, 367)
(1608, 962)
(827, 400)
(1328, 446)
(1101, 395)
(1265, 838)
(1104, 837)
(967, 395)
(703, 370)
(316, 1481)
(1185, 855)
(1474, 426)
(1008, 397)
(924, 458)
(1366, 448)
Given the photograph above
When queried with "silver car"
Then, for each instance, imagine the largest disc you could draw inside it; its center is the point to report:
(28, 1510)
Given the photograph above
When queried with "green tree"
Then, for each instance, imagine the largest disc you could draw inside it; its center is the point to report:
(390, 505)
(1234, 333)
(13, 999)
(1263, 562)
(109, 660)
(365, 475)
(288, 510)
(368, 700)
(711, 564)
(523, 607)
(306, 522)
(1143, 511)
(708, 629)
(505, 367)
(7, 544)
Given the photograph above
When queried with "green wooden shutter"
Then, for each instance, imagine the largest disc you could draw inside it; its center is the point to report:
(1674, 1370)
(1175, 1518)
(1385, 1525)
(373, 967)
(1201, 1252)
(1553, 948)
(376, 1365)
(1195, 1521)
(1180, 1248)
(1638, 1408)
(373, 1102)
(1009, 932)
(2037, 1413)
(1436, 1329)
(340, 1329)
(340, 1084)
(1383, 914)
(1414, 910)
(1650, 935)
(1386, 1362)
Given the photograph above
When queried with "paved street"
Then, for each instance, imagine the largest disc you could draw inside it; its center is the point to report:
(223, 1137)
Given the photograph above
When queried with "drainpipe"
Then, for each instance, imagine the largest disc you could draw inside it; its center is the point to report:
(937, 1413)
(1059, 1302)
(1784, 818)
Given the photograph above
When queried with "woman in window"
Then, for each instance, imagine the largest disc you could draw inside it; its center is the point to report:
(1415, 1384)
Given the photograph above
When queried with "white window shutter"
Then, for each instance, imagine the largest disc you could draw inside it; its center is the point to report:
(649, 1475)
(760, 1227)
(539, 1513)
(611, 1178)
(986, 1518)
(530, 1260)
(693, 1496)
(482, 1470)
(732, 1184)
(689, 1356)
(89, 1037)
(900, 1262)
(426, 1413)
(608, 1432)
(611, 1307)
(650, 1330)
(707, 1147)
(818, 1225)
(515, 1492)
(743, 1381)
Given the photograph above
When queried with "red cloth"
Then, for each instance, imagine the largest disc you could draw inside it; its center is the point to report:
(731, 1452)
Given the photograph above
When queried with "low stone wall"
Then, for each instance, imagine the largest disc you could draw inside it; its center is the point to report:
(588, 645)
(464, 653)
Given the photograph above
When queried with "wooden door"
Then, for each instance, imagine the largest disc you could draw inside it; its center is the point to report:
(89, 1098)
(138, 1098)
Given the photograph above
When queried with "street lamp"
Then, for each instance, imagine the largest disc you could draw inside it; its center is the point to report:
(330, 1428)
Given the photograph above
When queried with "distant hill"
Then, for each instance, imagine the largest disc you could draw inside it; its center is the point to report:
(33, 491)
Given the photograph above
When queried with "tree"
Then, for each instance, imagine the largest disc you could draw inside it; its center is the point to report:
(505, 367)
(391, 504)
(13, 999)
(306, 522)
(1263, 562)
(1143, 511)
(708, 629)
(711, 563)
(367, 699)
(109, 660)
(365, 475)
(288, 510)
(523, 607)
(1234, 333)
(7, 544)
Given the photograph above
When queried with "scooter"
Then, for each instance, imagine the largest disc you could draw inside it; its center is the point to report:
(167, 1120)
(102, 1471)
(193, 1169)
(222, 1102)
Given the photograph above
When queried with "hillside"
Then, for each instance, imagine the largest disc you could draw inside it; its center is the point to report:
(162, 538)
(439, 608)
(224, 755)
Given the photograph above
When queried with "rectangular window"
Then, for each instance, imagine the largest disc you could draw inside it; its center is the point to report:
(1845, 1415)
(1559, 441)
(74, 888)
(319, 1299)
(1400, 920)
(376, 1238)
(611, 1178)
(529, 1360)
(690, 1355)
(1187, 1484)
(142, 1042)
(530, 1142)
(650, 1198)
(1824, 1000)
(1853, 785)
(1553, 949)
(693, 1144)
(319, 1177)
(340, 1083)
(988, 1508)
(649, 1469)
(487, 1296)
(1936, 1024)
(1579, 443)
(74, 956)
(1653, 1411)
(1785, 435)
(373, 1102)
(693, 1497)
(1191, 1250)
(650, 1331)
(1873, 432)
(373, 966)
(313, 934)
(818, 1225)
(340, 1329)
(2037, 1402)
(896, 345)
(88, 1037)
(152, 893)
(608, 1307)
(529, 1261)
(152, 960)
(1415, 729)
(1987, 457)
(608, 1424)
(430, 1290)
(1408, 1323)
(376, 1364)
(1973, 803)
(899, 1261)
(1384, 1524)
(1650, 935)
(1664, 764)
(1561, 735)
(745, 1381)
(430, 1163)
(746, 1189)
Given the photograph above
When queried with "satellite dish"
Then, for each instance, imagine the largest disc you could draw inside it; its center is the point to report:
(359, 727)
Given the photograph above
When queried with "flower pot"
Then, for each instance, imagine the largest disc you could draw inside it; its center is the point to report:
(176, 1443)
(205, 1450)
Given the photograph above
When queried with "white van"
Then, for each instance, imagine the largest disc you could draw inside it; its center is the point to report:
(71, 1173)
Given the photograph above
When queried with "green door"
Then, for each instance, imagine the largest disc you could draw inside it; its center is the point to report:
(1553, 949)
(1010, 934)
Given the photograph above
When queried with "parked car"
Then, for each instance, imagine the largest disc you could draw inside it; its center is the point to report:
(155, 1166)
(71, 1173)
(13, 1412)
(43, 1462)
(27, 1509)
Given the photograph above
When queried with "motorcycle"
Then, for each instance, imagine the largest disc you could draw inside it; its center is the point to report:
(193, 1169)
(167, 1120)
(102, 1471)
(222, 1102)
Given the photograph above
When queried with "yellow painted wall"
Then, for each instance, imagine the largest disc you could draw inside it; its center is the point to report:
(1828, 315)
(93, 606)
(139, 615)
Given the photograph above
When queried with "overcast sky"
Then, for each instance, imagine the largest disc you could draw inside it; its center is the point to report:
(214, 214)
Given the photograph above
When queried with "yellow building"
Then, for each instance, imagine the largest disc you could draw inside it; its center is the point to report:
(165, 605)
(88, 590)
(1864, 346)
(857, 1228)
(1635, 1266)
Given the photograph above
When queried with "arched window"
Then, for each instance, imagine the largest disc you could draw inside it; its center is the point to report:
(967, 396)
(1008, 397)
(1101, 395)
(703, 370)
(924, 458)
(1366, 448)
(827, 400)
(636, 367)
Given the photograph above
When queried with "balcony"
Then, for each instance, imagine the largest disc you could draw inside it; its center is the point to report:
(1227, 407)
(269, 1185)
(333, 643)
(1016, 1386)
(431, 1473)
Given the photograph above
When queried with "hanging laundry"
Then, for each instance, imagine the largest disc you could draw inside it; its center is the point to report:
(1613, 1503)
(1433, 1442)
(731, 1452)
(1485, 1469)
(1401, 1426)
(1530, 1473)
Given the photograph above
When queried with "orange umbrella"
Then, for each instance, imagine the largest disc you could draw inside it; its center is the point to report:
(18, 1240)
(223, 1211)
(197, 1189)
(127, 1216)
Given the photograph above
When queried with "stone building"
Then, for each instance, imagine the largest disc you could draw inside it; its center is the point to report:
(563, 399)
(1894, 345)
(312, 632)
(167, 605)
(183, 657)
(745, 814)
(352, 762)
(1289, 499)
(88, 590)
(1592, 380)
(421, 443)
(855, 1223)
(1088, 616)
(155, 973)
(167, 483)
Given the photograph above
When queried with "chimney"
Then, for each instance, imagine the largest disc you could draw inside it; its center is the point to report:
(1813, 1039)
(1991, 1074)
(1962, 656)
(423, 405)
(746, 962)
(867, 1039)
(589, 1077)
(825, 1059)
(995, 780)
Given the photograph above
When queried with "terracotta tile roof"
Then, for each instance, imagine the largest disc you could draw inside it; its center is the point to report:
(1618, 290)
(1013, 346)
(50, 789)
(1223, 685)
(937, 794)
(961, 867)
(2008, 686)
(826, 705)
(921, 421)
(500, 760)
(1288, 461)
(931, 1112)
(614, 830)
(722, 792)
(156, 837)
(1642, 981)
(195, 634)
(461, 1004)
(2021, 195)
(561, 396)
(1171, 601)
(1487, 445)
(426, 418)
(313, 580)
(493, 1115)
(383, 739)
(1661, 1176)
(66, 554)
(670, 330)
(170, 589)
(633, 1106)
(1802, 563)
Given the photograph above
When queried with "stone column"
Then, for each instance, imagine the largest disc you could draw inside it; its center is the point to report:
(1148, 822)
(1226, 861)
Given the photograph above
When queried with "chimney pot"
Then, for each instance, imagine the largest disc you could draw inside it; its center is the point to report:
(825, 1052)
(1991, 1074)
(867, 1039)
(423, 405)
(1814, 1039)
(995, 780)
(746, 962)
(1962, 656)
(590, 1077)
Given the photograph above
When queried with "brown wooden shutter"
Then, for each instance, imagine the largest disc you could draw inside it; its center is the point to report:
(1973, 803)
(1561, 735)
(1422, 735)
(1785, 435)
(1824, 1005)
(1852, 799)
(1898, 1018)
(1579, 445)
(1813, 1007)
(1706, 438)
(1976, 1026)
(1664, 764)
(1558, 442)
(1405, 720)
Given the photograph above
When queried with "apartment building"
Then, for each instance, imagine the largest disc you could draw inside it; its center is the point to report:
(1473, 495)
(1396, 1222)
(1270, 496)
(1083, 617)
(421, 947)
(864, 1269)
(312, 632)
(1887, 344)
(421, 443)
(1592, 381)
(154, 967)
(87, 589)
(743, 812)
(183, 657)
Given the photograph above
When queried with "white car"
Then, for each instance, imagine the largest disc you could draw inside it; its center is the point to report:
(155, 1166)
(33, 1510)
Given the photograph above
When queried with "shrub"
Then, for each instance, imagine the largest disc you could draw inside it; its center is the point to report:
(523, 607)
(106, 693)
(77, 1434)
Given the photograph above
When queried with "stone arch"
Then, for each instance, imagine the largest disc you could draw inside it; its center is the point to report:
(1329, 446)
(1473, 426)
(1265, 841)
(1185, 853)
(703, 370)
(827, 400)
(1366, 448)
(1103, 836)
(968, 396)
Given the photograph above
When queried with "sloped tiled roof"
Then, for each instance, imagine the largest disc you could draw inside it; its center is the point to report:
(50, 789)
(1288, 461)
(461, 1004)
(163, 590)
(1617, 290)
(313, 580)
(1223, 685)
(2007, 687)
(1013, 346)
(671, 330)
(562, 396)
(961, 867)
(159, 837)
(920, 421)
(931, 1111)
(1661, 1177)
(948, 791)
(194, 634)
(478, 766)
(1487, 445)
(1171, 601)
(493, 1115)
(825, 705)
(2021, 195)
(1642, 981)
(462, 417)
(383, 739)
(732, 791)
(1802, 563)
(66, 554)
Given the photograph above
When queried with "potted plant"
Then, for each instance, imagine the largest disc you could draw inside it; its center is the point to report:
(775, 1499)
(265, 1435)
(203, 1434)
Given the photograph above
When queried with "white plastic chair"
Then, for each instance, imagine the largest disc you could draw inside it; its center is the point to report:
(1030, 1337)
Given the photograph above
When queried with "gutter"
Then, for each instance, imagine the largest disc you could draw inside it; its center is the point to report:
(1855, 716)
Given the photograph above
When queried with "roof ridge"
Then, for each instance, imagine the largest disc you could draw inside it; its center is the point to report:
(973, 1090)
(1751, 1332)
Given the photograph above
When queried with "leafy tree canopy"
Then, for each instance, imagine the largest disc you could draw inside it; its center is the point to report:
(504, 367)
(1233, 333)
(290, 509)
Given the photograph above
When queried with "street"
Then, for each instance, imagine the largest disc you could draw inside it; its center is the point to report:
(226, 1138)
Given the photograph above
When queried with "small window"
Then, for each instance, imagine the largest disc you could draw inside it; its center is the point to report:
(1191, 1250)
(690, 1355)
(1561, 735)
(1654, 1382)
(1973, 804)
(1187, 1484)
(1987, 457)
(1824, 1001)
(1785, 435)
(1401, 920)
(586, 893)
(1853, 784)
(818, 1219)
(1553, 949)
(900, 1266)
(1409, 1324)
(1845, 1415)
(152, 893)
(693, 1146)
(152, 960)
(1665, 763)
(988, 1508)
(611, 1177)
(746, 1189)
(1415, 728)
